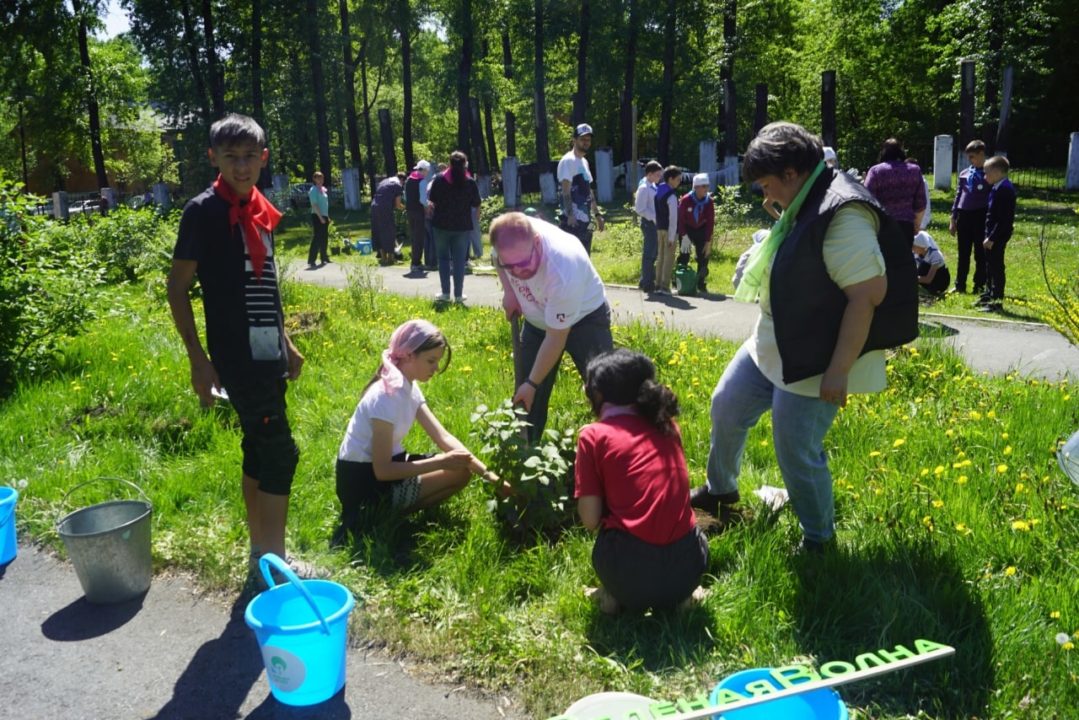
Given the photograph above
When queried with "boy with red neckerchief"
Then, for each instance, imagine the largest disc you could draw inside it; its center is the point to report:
(226, 240)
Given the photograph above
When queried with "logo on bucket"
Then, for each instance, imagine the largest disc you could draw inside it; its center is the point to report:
(285, 671)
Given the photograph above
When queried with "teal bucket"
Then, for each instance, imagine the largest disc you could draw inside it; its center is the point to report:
(364, 246)
(301, 627)
(823, 704)
(8, 546)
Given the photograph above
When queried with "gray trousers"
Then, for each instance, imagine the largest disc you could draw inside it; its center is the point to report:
(589, 336)
(641, 575)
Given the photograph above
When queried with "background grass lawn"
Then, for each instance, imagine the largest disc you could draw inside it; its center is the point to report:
(954, 522)
(616, 252)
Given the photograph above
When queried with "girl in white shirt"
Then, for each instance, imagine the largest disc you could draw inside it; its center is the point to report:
(372, 465)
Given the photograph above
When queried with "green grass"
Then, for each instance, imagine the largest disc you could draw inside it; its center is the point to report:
(617, 251)
(954, 523)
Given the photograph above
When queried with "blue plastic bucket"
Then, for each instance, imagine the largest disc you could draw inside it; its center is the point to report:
(8, 546)
(301, 628)
(364, 246)
(823, 704)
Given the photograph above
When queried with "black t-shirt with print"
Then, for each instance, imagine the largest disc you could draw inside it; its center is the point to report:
(244, 320)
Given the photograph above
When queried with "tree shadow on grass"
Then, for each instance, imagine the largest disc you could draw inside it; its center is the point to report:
(386, 541)
(848, 604)
(656, 641)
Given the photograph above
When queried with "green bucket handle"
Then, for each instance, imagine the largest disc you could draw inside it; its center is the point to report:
(63, 500)
(282, 567)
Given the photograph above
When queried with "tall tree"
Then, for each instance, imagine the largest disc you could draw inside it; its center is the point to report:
(318, 87)
(507, 72)
(370, 145)
(464, 75)
(667, 96)
(543, 150)
(580, 98)
(350, 89)
(81, 13)
(213, 68)
(729, 120)
(626, 110)
(404, 29)
(194, 67)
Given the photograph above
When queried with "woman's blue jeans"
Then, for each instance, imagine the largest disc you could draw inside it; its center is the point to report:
(452, 244)
(799, 424)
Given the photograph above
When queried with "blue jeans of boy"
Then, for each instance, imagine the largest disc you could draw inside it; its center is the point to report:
(799, 424)
(452, 244)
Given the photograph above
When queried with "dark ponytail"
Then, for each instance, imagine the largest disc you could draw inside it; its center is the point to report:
(458, 166)
(625, 377)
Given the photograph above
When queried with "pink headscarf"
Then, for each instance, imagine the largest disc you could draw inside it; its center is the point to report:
(403, 343)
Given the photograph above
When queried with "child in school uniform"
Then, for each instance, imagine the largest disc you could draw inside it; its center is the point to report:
(644, 204)
(373, 467)
(999, 223)
(667, 227)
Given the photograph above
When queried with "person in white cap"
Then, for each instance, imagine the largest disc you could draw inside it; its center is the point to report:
(417, 216)
(575, 180)
(697, 221)
(933, 274)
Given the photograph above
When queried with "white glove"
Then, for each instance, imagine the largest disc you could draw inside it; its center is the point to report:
(686, 244)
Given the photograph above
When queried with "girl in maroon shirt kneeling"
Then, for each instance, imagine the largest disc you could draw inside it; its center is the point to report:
(632, 485)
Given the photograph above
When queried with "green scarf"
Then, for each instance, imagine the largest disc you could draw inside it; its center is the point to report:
(763, 254)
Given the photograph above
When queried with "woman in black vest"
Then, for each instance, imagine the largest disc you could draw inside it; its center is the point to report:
(820, 276)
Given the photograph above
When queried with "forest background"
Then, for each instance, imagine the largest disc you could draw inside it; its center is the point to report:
(135, 108)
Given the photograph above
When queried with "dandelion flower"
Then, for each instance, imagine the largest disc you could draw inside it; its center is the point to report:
(961, 480)
(1021, 525)
(938, 470)
(1020, 487)
(975, 415)
(874, 453)
(1010, 571)
(1008, 450)
(991, 414)
(938, 504)
(1055, 614)
(1002, 468)
(899, 442)
(1063, 638)
(1004, 436)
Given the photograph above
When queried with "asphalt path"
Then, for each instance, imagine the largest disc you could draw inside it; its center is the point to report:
(177, 653)
(998, 347)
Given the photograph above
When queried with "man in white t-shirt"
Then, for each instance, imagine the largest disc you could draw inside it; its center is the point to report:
(548, 278)
(575, 179)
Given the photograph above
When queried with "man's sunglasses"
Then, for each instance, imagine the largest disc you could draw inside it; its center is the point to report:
(522, 265)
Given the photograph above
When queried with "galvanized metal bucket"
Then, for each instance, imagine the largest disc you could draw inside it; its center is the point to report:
(109, 545)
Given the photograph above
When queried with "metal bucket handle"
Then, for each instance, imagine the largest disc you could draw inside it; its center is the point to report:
(282, 567)
(63, 500)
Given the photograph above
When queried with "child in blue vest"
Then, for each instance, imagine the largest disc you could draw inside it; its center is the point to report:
(667, 227)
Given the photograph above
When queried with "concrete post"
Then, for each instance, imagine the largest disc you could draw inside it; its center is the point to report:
(350, 182)
(707, 158)
(483, 183)
(510, 184)
(548, 188)
(162, 197)
(943, 153)
(59, 205)
(728, 174)
(604, 175)
(108, 194)
(1071, 177)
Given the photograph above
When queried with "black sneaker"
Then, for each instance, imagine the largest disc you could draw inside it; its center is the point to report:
(816, 547)
(702, 499)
